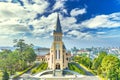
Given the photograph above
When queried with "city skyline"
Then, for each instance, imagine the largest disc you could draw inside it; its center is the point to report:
(84, 23)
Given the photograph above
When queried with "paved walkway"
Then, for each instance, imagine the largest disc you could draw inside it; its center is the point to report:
(39, 74)
(61, 78)
(76, 76)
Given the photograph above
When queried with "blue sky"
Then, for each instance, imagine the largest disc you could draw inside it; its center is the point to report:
(85, 23)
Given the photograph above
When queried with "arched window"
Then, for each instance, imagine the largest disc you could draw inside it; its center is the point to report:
(67, 59)
(56, 54)
(63, 58)
(59, 54)
(52, 58)
(57, 66)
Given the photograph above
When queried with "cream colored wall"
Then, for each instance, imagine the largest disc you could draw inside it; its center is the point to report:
(52, 52)
(53, 65)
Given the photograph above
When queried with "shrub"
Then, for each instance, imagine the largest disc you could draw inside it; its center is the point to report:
(75, 68)
(22, 72)
(41, 67)
(5, 76)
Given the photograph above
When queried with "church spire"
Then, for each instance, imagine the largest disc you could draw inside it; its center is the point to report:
(58, 25)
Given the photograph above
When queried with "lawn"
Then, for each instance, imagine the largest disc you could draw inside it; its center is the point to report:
(43, 66)
(0, 75)
(74, 67)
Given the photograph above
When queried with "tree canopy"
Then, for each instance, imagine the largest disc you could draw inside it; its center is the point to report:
(110, 66)
(19, 59)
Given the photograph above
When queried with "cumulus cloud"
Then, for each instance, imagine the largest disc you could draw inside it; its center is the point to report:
(15, 19)
(68, 22)
(77, 11)
(79, 34)
(10, 10)
(64, 11)
(13, 29)
(59, 4)
(104, 21)
(101, 33)
(39, 6)
(45, 25)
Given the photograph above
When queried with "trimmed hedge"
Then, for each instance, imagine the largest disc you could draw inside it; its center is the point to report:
(22, 72)
(1, 74)
(41, 67)
(74, 67)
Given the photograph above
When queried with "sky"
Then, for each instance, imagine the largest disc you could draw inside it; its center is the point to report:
(85, 23)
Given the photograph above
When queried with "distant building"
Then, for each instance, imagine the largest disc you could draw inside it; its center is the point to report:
(40, 58)
(83, 53)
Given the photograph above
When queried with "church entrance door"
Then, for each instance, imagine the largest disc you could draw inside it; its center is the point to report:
(57, 66)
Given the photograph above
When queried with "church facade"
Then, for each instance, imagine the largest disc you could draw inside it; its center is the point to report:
(58, 58)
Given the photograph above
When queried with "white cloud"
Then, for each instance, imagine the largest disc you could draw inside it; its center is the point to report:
(45, 25)
(64, 11)
(13, 23)
(39, 6)
(79, 34)
(68, 22)
(10, 10)
(6, 41)
(14, 18)
(59, 4)
(13, 29)
(77, 11)
(108, 21)
(9, 0)
(14, 12)
(101, 33)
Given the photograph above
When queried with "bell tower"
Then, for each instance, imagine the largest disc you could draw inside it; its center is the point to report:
(58, 51)
(58, 31)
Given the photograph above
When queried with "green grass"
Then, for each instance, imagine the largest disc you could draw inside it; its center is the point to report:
(88, 69)
(43, 66)
(74, 67)
(22, 72)
(1, 75)
(93, 72)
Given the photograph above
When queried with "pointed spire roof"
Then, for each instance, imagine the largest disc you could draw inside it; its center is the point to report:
(58, 25)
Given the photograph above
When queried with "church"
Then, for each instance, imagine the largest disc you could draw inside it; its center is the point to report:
(58, 58)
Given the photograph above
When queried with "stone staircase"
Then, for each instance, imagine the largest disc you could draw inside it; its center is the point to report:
(58, 73)
(60, 79)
